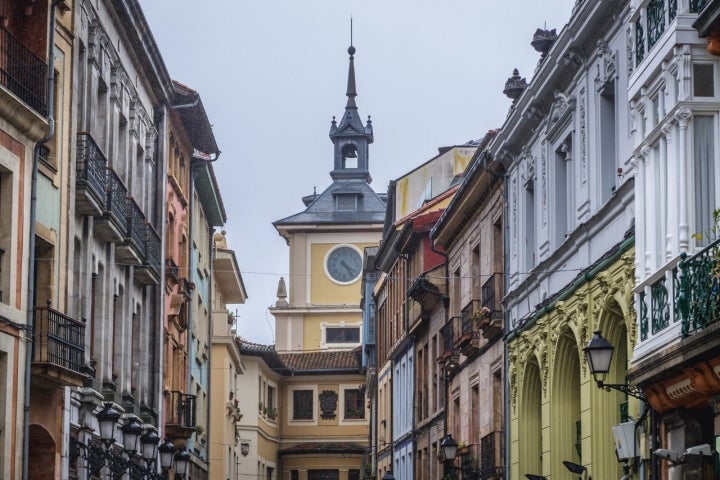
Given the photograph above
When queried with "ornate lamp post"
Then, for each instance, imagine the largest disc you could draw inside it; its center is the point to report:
(598, 355)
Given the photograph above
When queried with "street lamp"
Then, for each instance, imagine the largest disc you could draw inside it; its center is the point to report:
(388, 476)
(182, 461)
(598, 355)
(108, 418)
(449, 448)
(131, 433)
(531, 476)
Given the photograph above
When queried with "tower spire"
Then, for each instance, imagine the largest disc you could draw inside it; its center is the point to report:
(351, 92)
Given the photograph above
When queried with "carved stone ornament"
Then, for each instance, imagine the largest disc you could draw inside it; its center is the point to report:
(561, 107)
(328, 404)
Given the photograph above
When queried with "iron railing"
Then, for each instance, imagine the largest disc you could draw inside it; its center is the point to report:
(492, 292)
(655, 21)
(58, 339)
(699, 299)
(136, 225)
(91, 165)
(491, 459)
(696, 6)
(153, 255)
(470, 461)
(182, 409)
(466, 316)
(448, 332)
(116, 206)
(172, 269)
(22, 72)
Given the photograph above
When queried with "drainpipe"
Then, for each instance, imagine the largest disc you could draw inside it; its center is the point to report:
(506, 361)
(31, 243)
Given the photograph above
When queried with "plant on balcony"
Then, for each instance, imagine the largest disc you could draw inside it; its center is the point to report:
(481, 317)
(199, 429)
(231, 317)
(272, 413)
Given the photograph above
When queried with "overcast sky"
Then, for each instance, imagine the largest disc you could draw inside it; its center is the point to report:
(272, 73)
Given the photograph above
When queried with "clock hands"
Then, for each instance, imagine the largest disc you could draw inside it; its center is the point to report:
(347, 267)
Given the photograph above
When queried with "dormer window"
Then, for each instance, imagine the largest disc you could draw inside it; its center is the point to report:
(347, 199)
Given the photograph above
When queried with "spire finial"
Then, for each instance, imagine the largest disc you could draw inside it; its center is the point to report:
(351, 92)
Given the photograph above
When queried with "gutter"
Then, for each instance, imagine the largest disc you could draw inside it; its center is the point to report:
(31, 243)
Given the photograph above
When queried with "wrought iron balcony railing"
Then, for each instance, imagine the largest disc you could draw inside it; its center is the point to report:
(172, 269)
(448, 332)
(466, 316)
(492, 292)
(91, 167)
(153, 255)
(182, 409)
(699, 299)
(22, 72)
(469, 461)
(117, 203)
(58, 339)
(659, 14)
(491, 459)
(136, 225)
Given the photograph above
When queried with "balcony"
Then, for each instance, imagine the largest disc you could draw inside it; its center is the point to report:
(111, 225)
(91, 177)
(491, 459)
(469, 337)
(149, 272)
(58, 348)
(172, 271)
(492, 293)
(132, 249)
(22, 72)
(469, 461)
(448, 333)
(181, 415)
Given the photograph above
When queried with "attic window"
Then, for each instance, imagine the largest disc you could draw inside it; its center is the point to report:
(346, 202)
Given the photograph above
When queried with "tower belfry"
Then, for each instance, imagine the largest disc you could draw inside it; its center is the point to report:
(350, 137)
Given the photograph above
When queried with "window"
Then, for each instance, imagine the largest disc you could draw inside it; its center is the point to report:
(346, 202)
(270, 399)
(704, 174)
(323, 474)
(562, 200)
(340, 335)
(354, 404)
(703, 80)
(302, 405)
(608, 147)
(529, 225)
(353, 474)
(294, 475)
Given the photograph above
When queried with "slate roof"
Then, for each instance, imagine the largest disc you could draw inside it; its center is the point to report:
(190, 108)
(371, 207)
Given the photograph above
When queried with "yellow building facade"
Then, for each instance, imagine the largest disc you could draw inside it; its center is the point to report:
(556, 412)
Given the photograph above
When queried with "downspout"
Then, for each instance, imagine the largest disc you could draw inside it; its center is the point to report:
(161, 186)
(506, 361)
(31, 243)
(210, 332)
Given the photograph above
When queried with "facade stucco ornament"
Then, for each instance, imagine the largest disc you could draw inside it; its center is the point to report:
(629, 42)
(512, 375)
(667, 130)
(527, 167)
(543, 182)
(535, 112)
(683, 59)
(683, 116)
(561, 107)
(573, 57)
(583, 137)
(606, 67)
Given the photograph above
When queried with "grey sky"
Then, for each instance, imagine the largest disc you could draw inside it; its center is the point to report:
(272, 74)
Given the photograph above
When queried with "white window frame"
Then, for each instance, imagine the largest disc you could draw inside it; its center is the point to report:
(290, 406)
(323, 337)
(341, 400)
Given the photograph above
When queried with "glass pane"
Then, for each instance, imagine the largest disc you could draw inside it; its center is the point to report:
(302, 405)
(703, 80)
(342, 335)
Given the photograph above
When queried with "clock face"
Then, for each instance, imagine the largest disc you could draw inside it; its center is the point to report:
(344, 264)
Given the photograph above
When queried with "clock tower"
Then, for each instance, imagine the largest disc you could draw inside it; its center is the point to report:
(322, 311)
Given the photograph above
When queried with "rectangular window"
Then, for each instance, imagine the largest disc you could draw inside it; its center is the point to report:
(704, 174)
(561, 194)
(270, 401)
(294, 475)
(346, 202)
(703, 80)
(353, 474)
(340, 335)
(530, 226)
(354, 404)
(302, 405)
(608, 149)
(323, 474)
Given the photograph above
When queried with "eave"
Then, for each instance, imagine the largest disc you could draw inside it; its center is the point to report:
(229, 278)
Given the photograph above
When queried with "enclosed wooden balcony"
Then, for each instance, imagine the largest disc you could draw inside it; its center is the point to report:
(58, 348)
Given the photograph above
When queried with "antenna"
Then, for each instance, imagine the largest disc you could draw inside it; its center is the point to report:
(351, 32)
